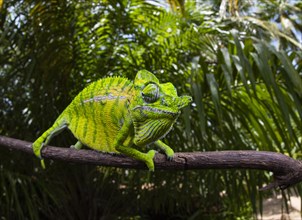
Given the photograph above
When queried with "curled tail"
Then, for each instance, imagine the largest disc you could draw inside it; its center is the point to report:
(45, 138)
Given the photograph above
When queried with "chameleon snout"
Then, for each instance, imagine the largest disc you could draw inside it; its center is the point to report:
(183, 101)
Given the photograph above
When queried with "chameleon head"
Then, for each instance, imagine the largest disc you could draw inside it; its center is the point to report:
(155, 108)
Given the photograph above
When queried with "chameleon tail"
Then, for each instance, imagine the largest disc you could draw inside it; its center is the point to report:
(45, 138)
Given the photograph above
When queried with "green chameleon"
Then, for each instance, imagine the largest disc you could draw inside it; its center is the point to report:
(117, 115)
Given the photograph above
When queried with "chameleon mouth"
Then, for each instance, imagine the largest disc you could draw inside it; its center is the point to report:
(157, 111)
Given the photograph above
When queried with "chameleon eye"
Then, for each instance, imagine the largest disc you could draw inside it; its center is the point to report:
(150, 93)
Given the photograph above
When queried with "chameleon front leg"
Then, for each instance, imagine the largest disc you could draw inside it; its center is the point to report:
(131, 152)
(45, 138)
(168, 151)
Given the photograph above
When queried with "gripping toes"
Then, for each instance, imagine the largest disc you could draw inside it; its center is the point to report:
(149, 160)
(170, 154)
(168, 150)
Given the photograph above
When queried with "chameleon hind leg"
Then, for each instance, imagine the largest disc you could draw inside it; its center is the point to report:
(77, 146)
(45, 138)
(168, 151)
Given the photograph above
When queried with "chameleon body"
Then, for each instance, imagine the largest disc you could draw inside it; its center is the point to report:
(117, 115)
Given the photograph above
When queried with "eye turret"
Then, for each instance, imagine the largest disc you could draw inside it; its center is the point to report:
(150, 93)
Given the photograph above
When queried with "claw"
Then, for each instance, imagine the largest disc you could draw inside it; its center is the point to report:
(170, 158)
(170, 154)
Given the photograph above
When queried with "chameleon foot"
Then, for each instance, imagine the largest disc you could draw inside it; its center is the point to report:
(149, 160)
(170, 154)
(77, 146)
(168, 151)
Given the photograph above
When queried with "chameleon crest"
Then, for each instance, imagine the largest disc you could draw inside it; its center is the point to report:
(117, 115)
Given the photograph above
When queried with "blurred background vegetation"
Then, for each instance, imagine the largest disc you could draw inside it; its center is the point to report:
(240, 60)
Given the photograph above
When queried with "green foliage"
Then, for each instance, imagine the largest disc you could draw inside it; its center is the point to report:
(246, 86)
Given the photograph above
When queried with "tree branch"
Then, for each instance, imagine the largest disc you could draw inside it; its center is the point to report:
(287, 171)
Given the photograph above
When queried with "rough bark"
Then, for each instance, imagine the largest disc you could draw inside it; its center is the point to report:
(287, 171)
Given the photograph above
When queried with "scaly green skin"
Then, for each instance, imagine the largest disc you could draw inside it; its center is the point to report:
(118, 115)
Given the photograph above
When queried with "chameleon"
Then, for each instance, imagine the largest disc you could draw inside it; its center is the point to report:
(117, 115)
